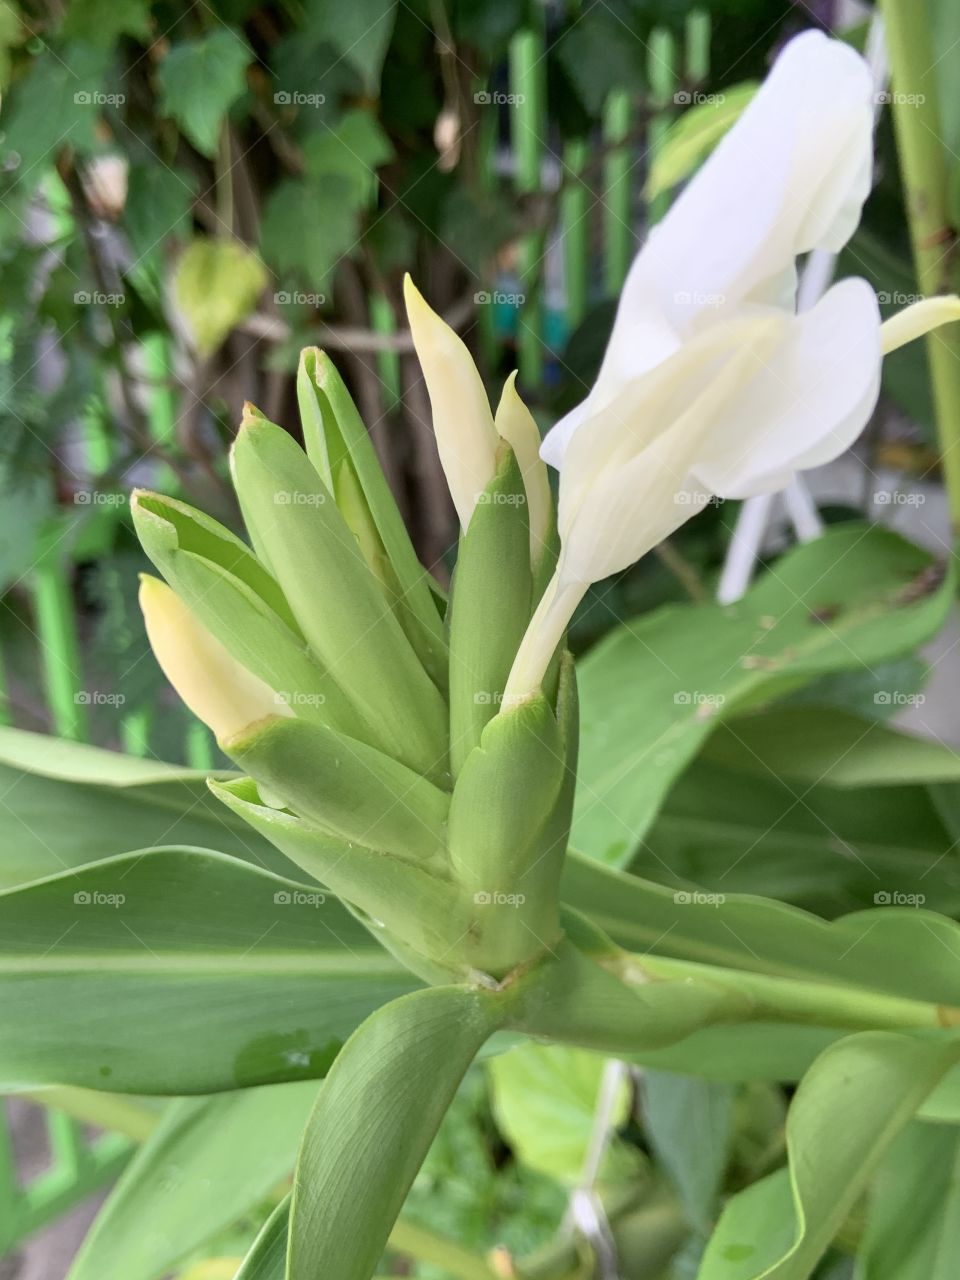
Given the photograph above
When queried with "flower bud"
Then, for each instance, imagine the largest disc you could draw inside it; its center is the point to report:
(227, 697)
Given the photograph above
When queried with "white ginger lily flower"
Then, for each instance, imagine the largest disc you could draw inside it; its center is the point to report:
(711, 383)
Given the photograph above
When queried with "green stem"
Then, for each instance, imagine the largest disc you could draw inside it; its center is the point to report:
(417, 1242)
(923, 163)
(788, 1000)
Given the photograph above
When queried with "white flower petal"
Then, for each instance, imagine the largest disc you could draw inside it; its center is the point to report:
(790, 176)
(807, 405)
(462, 421)
(622, 490)
(516, 424)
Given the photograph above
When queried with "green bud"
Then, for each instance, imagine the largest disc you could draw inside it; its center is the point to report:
(489, 606)
(345, 788)
(238, 601)
(398, 900)
(501, 813)
(336, 600)
(339, 446)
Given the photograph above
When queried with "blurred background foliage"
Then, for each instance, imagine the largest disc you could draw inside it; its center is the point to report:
(189, 193)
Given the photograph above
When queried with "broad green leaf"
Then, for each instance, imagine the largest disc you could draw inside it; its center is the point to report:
(823, 745)
(826, 849)
(900, 951)
(176, 971)
(63, 804)
(691, 139)
(913, 1224)
(200, 80)
(749, 1051)
(308, 226)
(373, 1123)
(653, 690)
(855, 1099)
(544, 1100)
(353, 149)
(689, 1123)
(102, 22)
(158, 204)
(360, 32)
(267, 1258)
(208, 1162)
(55, 106)
(216, 285)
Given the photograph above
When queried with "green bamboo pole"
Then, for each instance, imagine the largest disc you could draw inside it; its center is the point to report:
(924, 163)
(384, 322)
(662, 77)
(573, 229)
(527, 113)
(60, 650)
(618, 242)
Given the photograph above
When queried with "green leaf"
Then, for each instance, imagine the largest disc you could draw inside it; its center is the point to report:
(827, 849)
(865, 1089)
(913, 1224)
(823, 745)
(102, 22)
(267, 1259)
(360, 32)
(352, 150)
(899, 951)
(55, 106)
(176, 971)
(65, 804)
(691, 139)
(208, 1162)
(373, 1123)
(689, 1124)
(651, 692)
(308, 226)
(544, 1100)
(158, 204)
(200, 80)
(216, 285)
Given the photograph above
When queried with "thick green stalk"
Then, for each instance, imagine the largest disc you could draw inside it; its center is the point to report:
(788, 1000)
(924, 165)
